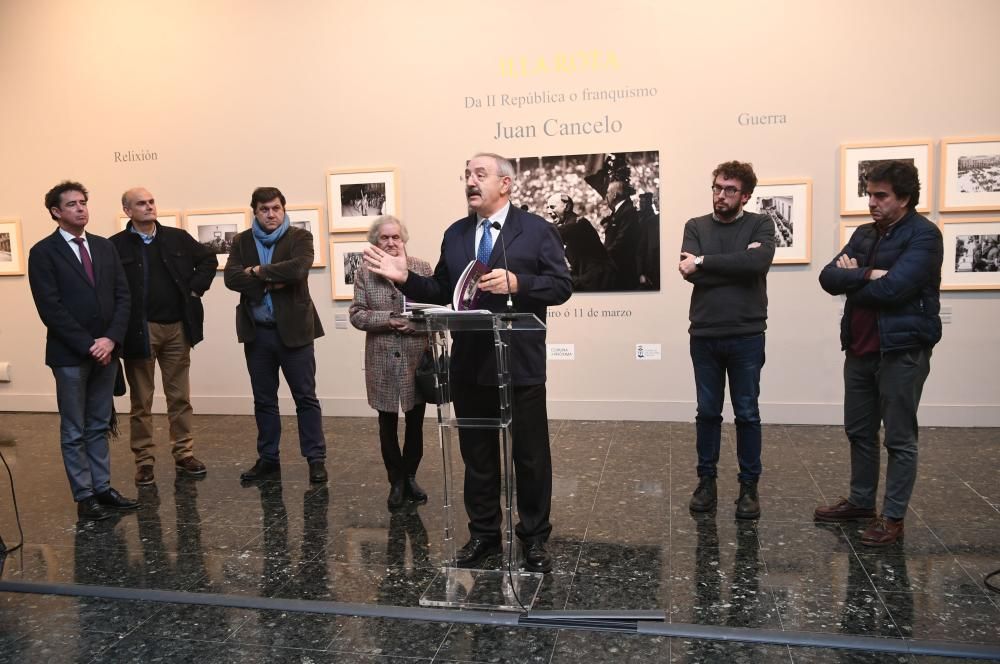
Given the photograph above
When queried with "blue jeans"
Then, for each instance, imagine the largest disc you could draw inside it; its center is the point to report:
(84, 395)
(742, 359)
(265, 355)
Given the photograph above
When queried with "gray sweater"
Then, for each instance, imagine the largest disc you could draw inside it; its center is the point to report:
(730, 286)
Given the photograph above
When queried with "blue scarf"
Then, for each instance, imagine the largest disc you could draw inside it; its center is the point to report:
(264, 312)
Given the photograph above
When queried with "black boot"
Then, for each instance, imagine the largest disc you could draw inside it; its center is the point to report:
(395, 499)
(414, 491)
(705, 496)
(748, 504)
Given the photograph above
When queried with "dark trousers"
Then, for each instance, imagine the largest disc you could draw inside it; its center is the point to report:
(481, 454)
(84, 395)
(884, 389)
(265, 355)
(400, 465)
(741, 358)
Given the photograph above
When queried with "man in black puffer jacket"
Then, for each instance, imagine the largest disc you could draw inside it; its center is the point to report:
(890, 272)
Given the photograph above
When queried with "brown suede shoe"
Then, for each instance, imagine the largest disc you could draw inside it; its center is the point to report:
(144, 476)
(843, 510)
(882, 531)
(190, 466)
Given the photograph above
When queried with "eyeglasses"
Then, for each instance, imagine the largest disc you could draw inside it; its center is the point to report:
(728, 191)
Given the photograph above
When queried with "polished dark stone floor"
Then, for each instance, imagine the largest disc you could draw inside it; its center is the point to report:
(623, 539)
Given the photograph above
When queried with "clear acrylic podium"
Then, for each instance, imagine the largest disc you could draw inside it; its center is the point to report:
(509, 588)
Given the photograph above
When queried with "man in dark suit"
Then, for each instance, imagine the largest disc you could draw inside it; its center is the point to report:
(537, 278)
(589, 265)
(277, 323)
(168, 271)
(82, 297)
(622, 234)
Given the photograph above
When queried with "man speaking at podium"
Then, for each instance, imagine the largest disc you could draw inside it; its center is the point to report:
(534, 278)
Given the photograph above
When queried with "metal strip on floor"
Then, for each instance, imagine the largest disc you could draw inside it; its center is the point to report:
(647, 623)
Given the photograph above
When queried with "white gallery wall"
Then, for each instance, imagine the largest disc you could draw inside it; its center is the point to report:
(234, 95)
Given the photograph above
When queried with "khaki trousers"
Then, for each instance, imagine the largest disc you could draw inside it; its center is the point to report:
(168, 347)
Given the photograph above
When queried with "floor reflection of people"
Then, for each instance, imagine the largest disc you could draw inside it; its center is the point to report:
(404, 525)
(277, 562)
(744, 608)
(863, 614)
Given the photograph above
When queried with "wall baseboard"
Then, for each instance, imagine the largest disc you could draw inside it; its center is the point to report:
(931, 414)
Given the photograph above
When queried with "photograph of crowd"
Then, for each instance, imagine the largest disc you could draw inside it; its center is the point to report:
(977, 253)
(362, 200)
(606, 209)
(779, 208)
(864, 167)
(218, 237)
(979, 174)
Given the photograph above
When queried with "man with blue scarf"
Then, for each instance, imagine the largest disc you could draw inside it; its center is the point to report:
(277, 323)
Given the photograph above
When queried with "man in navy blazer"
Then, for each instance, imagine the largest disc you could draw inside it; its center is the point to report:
(536, 277)
(82, 297)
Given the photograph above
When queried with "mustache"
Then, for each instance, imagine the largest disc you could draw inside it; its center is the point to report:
(469, 191)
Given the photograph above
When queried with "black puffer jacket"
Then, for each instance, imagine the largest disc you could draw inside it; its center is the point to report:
(908, 298)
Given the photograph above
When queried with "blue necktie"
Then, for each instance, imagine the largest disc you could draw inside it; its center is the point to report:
(485, 244)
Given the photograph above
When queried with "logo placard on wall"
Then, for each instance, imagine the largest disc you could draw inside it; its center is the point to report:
(648, 352)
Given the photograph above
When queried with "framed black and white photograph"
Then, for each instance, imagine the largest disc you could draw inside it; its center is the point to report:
(356, 197)
(970, 174)
(172, 219)
(789, 204)
(971, 254)
(11, 248)
(609, 246)
(847, 229)
(345, 259)
(310, 218)
(216, 229)
(857, 159)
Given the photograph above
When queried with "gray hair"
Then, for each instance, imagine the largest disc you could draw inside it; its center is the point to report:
(382, 221)
(505, 169)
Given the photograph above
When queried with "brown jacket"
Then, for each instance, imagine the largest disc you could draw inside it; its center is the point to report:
(294, 313)
(391, 358)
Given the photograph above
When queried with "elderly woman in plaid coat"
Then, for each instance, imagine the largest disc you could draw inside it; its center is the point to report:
(392, 352)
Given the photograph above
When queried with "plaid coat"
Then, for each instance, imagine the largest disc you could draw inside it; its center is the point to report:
(391, 358)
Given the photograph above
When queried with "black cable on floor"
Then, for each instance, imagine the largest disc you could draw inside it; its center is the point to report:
(17, 513)
(986, 581)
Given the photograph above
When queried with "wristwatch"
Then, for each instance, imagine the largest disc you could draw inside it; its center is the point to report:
(699, 260)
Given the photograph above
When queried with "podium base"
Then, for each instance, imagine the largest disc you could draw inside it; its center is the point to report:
(482, 589)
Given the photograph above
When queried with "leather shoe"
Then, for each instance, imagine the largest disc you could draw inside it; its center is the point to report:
(474, 551)
(317, 472)
(414, 491)
(536, 558)
(843, 510)
(144, 476)
(395, 499)
(262, 470)
(112, 500)
(748, 504)
(190, 466)
(91, 510)
(705, 496)
(882, 531)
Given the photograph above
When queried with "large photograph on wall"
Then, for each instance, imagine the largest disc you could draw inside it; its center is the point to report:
(356, 197)
(789, 204)
(857, 159)
(606, 207)
(11, 248)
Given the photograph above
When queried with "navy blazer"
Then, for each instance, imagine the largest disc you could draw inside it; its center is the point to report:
(75, 312)
(535, 255)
